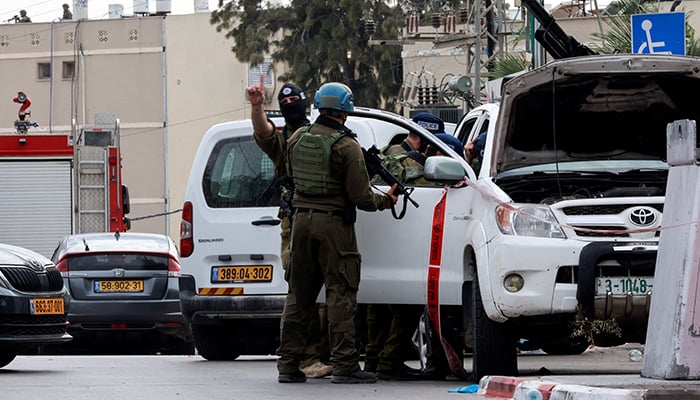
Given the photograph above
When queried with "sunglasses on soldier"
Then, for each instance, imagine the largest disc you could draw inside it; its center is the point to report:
(289, 99)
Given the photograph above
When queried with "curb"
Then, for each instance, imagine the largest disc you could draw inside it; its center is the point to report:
(517, 388)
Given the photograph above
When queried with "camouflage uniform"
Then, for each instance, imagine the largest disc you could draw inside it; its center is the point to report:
(390, 327)
(317, 348)
(275, 147)
(324, 251)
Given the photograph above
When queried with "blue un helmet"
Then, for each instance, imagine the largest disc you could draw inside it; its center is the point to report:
(334, 96)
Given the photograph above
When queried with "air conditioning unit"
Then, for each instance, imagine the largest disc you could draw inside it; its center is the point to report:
(115, 11)
(201, 6)
(163, 7)
(140, 7)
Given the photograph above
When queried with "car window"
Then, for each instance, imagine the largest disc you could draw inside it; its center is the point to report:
(108, 261)
(239, 174)
(466, 129)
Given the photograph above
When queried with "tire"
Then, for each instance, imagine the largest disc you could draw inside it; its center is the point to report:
(494, 345)
(6, 358)
(216, 342)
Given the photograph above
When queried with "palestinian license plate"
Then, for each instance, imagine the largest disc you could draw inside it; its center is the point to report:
(242, 273)
(620, 285)
(51, 305)
(109, 286)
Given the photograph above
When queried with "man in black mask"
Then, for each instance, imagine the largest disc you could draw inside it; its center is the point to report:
(273, 141)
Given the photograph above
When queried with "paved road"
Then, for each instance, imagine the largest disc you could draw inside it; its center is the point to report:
(251, 378)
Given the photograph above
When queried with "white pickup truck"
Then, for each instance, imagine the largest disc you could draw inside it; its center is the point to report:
(557, 232)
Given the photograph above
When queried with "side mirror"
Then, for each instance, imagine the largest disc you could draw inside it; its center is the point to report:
(444, 170)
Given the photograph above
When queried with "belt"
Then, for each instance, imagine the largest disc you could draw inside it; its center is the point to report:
(336, 213)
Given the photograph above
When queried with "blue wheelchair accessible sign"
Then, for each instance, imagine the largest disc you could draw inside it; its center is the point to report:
(658, 33)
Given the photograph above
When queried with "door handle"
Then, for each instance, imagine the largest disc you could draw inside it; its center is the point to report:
(267, 220)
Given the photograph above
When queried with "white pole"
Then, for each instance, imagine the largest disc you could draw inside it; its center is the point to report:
(673, 335)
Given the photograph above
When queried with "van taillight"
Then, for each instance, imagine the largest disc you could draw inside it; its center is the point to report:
(62, 267)
(173, 268)
(186, 239)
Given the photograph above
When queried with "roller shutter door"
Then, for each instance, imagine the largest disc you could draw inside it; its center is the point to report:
(35, 203)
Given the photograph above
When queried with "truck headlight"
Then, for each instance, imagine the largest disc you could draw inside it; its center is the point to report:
(528, 220)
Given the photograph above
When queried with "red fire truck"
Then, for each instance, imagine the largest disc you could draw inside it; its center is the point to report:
(54, 185)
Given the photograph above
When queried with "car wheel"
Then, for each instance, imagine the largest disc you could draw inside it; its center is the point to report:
(216, 342)
(6, 358)
(494, 345)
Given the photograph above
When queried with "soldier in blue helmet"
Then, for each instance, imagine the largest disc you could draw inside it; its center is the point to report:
(330, 178)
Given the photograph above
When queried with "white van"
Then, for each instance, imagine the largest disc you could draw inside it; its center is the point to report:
(233, 286)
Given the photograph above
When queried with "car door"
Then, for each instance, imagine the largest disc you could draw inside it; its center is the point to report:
(476, 122)
(395, 252)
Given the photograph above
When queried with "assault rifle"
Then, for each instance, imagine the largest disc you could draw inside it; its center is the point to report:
(552, 37)
(375, 167)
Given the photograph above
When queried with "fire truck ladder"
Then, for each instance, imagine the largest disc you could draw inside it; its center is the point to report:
(92, 173)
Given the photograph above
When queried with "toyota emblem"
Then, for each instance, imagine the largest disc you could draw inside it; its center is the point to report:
(642, 216)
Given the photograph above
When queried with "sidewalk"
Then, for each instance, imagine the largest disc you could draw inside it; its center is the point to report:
(587, 387)
(608, 375)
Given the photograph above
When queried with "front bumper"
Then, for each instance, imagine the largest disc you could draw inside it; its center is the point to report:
(21, 329)
(206, 309)
(620, 260)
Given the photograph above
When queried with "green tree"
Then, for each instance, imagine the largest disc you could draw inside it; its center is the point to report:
(618, 38)
(321, 41)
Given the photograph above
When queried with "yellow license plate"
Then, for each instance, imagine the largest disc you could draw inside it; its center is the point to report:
(119, 286)
(242, 273)
(52, 305)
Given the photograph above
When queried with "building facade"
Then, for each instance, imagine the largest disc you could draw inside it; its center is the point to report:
(166, 78)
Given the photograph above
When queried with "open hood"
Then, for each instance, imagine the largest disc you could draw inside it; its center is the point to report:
(593, 108)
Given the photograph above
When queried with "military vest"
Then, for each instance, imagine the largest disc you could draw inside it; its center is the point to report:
(311, 164)
(404, 166)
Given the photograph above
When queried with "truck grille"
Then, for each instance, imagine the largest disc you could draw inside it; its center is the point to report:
(605, 209)
(603, 219)
(27, 280)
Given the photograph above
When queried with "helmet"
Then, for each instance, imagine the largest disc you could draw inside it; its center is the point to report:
(334, 96)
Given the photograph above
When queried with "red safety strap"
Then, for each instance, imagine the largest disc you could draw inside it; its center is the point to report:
(455, 360)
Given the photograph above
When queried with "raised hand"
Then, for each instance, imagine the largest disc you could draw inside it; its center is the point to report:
(256, 93)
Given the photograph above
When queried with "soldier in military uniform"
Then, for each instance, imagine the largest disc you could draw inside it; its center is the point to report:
(330, 178)
(292, 103)
(390, 327)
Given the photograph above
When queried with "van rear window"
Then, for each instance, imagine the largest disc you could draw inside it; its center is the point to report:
(239, 174)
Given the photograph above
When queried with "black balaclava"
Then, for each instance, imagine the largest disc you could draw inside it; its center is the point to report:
(294, 113)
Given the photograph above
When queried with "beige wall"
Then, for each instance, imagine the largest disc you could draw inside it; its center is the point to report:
(119, 69)
(150, 72)
(206, 85)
